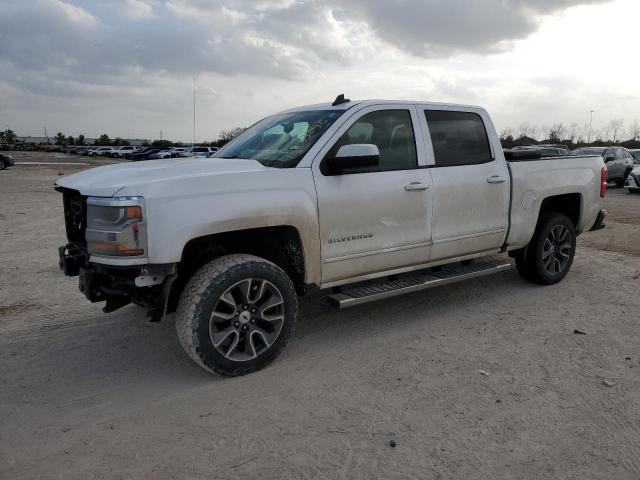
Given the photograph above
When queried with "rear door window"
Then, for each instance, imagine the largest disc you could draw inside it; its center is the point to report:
(458, 138)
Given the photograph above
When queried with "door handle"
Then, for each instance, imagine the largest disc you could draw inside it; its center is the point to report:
(416, 186)
(496, 179)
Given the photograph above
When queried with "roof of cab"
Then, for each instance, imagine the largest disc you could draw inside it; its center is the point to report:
(364, 103)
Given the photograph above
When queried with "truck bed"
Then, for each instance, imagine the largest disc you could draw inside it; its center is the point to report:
(533, 179)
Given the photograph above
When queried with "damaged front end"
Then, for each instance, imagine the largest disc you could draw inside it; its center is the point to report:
(107, 250)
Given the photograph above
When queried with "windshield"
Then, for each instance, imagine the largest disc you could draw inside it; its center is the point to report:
(636, 156)
(280, 140)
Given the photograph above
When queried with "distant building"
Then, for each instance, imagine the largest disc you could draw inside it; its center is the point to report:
(35, 140)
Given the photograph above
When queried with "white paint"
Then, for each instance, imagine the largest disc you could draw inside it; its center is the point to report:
(462, 215)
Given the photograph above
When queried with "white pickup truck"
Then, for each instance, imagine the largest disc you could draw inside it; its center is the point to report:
(365, 199)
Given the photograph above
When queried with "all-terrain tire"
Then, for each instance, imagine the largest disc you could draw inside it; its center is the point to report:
(532, 266)
(203, 291)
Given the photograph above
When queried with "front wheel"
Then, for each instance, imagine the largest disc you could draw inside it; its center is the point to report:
(549, 256)
(236, 314)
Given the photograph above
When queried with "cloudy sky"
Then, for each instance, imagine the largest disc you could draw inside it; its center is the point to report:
(126, 67)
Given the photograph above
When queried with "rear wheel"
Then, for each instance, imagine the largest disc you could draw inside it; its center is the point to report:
(236, 314)
(549, 256)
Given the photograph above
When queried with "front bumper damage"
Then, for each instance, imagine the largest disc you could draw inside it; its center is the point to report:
(148, 285)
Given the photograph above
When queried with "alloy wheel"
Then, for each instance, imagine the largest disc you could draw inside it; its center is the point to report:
(556, 252)
(247, 319)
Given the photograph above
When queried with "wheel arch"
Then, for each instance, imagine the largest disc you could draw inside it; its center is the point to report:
(569, 204)
(281, 245)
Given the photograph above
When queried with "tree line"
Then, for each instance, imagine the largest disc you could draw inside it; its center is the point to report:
(614, 132)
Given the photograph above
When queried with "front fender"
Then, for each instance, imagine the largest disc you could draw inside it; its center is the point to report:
(193, 207)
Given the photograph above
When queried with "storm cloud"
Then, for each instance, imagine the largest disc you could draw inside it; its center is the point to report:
(285, 39)
(86, 65)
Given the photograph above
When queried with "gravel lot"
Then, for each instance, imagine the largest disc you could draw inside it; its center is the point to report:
(484, 379)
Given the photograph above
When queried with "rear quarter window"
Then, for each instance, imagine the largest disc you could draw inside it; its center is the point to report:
(458, 138)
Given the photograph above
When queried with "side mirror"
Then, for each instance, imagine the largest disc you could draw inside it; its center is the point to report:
(358, 155)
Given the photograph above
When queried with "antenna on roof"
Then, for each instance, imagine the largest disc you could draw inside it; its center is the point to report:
(340, 100)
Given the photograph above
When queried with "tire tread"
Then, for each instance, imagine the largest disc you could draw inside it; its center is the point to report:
(212, 274)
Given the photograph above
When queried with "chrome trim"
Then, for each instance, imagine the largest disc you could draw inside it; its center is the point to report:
(116, 201)
(469, 235)
(412, 268)
(377, 252)
(118, 261)
(422, 282)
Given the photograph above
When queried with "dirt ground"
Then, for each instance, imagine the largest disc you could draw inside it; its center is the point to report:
(479, 380)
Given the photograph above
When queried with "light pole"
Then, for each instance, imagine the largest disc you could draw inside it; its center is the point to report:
(193, 144)
(590, 123)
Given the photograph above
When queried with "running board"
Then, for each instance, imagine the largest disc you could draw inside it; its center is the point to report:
(350, 296)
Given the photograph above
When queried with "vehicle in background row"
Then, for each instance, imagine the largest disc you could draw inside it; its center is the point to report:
(6, 161)
(366, 200)
(632, 183)
(204, 151)
(618, 160)
(185, 152)
(562, 149)
(99, 151)
(198, 151)
(162, 154)
(541, 150)
(141, 153)
(559, 146)
(122, 151)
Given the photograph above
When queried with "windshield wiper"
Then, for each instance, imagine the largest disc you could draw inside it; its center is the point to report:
(233, 156)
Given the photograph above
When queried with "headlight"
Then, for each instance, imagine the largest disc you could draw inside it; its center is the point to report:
(116, 227)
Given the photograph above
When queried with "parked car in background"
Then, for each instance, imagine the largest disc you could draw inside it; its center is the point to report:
(99, 151)
(541, 150)
(162, 154)
(559, 146)
(203, 151)
(77, 150)
(110, 153)
(632, 184)
(6, 161)
(618, 160)
(120, 152)
(140, 151)
(179, 151)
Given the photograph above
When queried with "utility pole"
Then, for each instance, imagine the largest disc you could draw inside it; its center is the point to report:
(193, 144)
(45, 135)
(160, 135)
(590, 123)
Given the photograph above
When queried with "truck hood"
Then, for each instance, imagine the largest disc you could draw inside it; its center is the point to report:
(108, 180)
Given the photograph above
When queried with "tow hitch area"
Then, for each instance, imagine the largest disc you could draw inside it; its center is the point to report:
(69, 262)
